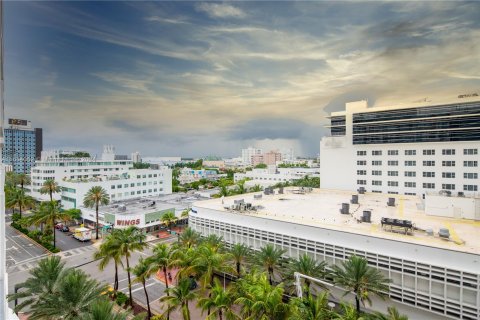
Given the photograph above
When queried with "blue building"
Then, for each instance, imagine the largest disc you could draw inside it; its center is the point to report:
(23, 145)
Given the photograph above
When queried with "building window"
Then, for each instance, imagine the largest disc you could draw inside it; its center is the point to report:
(376, 163)
(392, 192)
(138, 176)
(393, 163)
(361, 153)
(132, 185)
(376, 152)
(393, 152)
(428, 163)
(410, 174)
(410, 185)
(448, 163)
(429, 174)
(392, 183)
(361, 163)
(469, 152)
(376, 183)
(362, 172)
(470, 187)
(429, 152)
(448, 152)
(410, 163)
(448, 175)
(470, 163)
(410, 194)
(410, 152)
(112, 187)
(470, 175)
(429, 185)
(448, 186)
(119, 186)
(362, 182)
(393, 173)
(376, 173)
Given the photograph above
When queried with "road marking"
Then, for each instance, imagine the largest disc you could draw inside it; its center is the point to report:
(141, 288)
(31, 255)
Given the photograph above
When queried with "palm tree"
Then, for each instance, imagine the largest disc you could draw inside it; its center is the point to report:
(142, 272)
(50, 187)
(73, 294)
(268, 257)
(241, 187)
(356, 276)
(18, 198)
(220, 302)
(189, 238)
(41, 282)
(130, 239)
(392, 314)
(215, 242)
(256, 188)
(110, 250)
(239, 252)
(312, 308)
(308, 266)
(348, 312)
(179, 297)
(96, 196)
(48, 213)
(161, 260)
(22, 179)
(168, 219)
(102, 309)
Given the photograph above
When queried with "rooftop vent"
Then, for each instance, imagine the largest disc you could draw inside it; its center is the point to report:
(238, 201)
(122, 208)
(257, 196)
(391, 202)
(367, 216)
(345, 208)
(354, 199)
(361, 190)
(280, 190)
(444, 233)
(461, 194)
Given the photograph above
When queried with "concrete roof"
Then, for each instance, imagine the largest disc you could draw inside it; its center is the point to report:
(322, 208)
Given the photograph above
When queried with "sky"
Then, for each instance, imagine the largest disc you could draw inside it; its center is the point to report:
(194, 79)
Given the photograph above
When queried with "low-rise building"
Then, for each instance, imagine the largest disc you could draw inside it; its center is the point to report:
(273, 175)
(188, 175)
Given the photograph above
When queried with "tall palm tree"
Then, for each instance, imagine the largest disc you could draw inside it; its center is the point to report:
(215, 242)
(22, 179)
(179, 297)
(168, 219)
(73, 294)
(102, 309)
(142, 272)
(161, 260)
(348, 312)
(50, 187)
(189, 238)
(356, 276)
(268, 257)
(16, 198)
(110, 250)
(41, 282)
(311, 308)
(130, 239)
(240, 189)
(95, 197)
(48, 213)
(220, 302)
(239, 252)
(392, 314)
(310, 267)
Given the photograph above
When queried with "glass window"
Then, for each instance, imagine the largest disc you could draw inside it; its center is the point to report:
(448, 186)
(410, 163)
(429, 174)
(470, 187)
(429, 152)
(410, 184)
(470, 175)
(448, 163)
(448, 152)
(393, 152)
(376, 163)
(448, 175)
(361, 153)
(470, 163)
(376, 152)
(393, 163)
(393, 173)
(410, 174)
(429, 185)
(470, 151)
(410, 152)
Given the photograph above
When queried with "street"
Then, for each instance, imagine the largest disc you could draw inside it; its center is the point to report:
(20, 249)
(65, 241)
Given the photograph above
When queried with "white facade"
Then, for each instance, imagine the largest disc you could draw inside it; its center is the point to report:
(272, 175)
(188, 175)
(136, 157)
(248, 153)
(377, 154)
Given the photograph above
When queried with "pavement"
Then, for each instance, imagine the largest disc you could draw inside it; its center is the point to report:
(65, 241)
(20, 248)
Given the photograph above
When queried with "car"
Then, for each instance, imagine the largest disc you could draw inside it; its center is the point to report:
(59, 226)
(65, 229)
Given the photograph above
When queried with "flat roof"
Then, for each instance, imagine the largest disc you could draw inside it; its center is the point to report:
(321, 208)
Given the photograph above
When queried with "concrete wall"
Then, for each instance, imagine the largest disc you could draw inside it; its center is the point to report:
(453, 207)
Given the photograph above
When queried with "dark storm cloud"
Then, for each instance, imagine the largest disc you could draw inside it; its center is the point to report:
(269, 128)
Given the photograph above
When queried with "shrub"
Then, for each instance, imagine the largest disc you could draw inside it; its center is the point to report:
(15, 216)
(121, 299)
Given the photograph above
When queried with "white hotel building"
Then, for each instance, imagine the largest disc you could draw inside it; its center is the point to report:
(408, 152)
(76, 176)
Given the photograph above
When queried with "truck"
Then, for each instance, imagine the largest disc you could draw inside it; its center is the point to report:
(83, 234)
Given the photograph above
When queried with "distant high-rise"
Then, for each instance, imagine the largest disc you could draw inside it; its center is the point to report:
(22, 145)
(136, 157)
(248, 153)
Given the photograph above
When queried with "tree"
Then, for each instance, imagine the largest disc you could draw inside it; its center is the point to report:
(261, 166)
(168, 218)
(41, 282)
(348, 312)
(239, 252)
(256, 188)
(312, 308)
(50, 187)
(22, 179)
(241, 187)
(161, 260)
(189, 238)
(110, 250)
(48, 213)
(96, 196)
(215, 242)
(220, 303)
(102, 309)
(356, 276)
(16, 198)
(73, 294)
(142, 272)
(392, 314)
(308, 266)
(179, 297)
(268, 257)
(130, 239)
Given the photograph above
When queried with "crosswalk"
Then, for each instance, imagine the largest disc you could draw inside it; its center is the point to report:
(76, 252)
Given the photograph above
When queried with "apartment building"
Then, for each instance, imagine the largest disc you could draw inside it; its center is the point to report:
(411, 149)
(248, 153)
(273, 175)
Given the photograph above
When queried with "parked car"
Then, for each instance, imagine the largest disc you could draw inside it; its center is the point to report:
(59, 226)
(65, 229)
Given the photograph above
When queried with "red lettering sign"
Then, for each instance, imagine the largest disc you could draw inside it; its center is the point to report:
(128, 222)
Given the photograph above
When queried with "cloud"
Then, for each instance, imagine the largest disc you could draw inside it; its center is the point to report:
(268, 128)
(167, 20)
(125, 81)
(220, 10)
